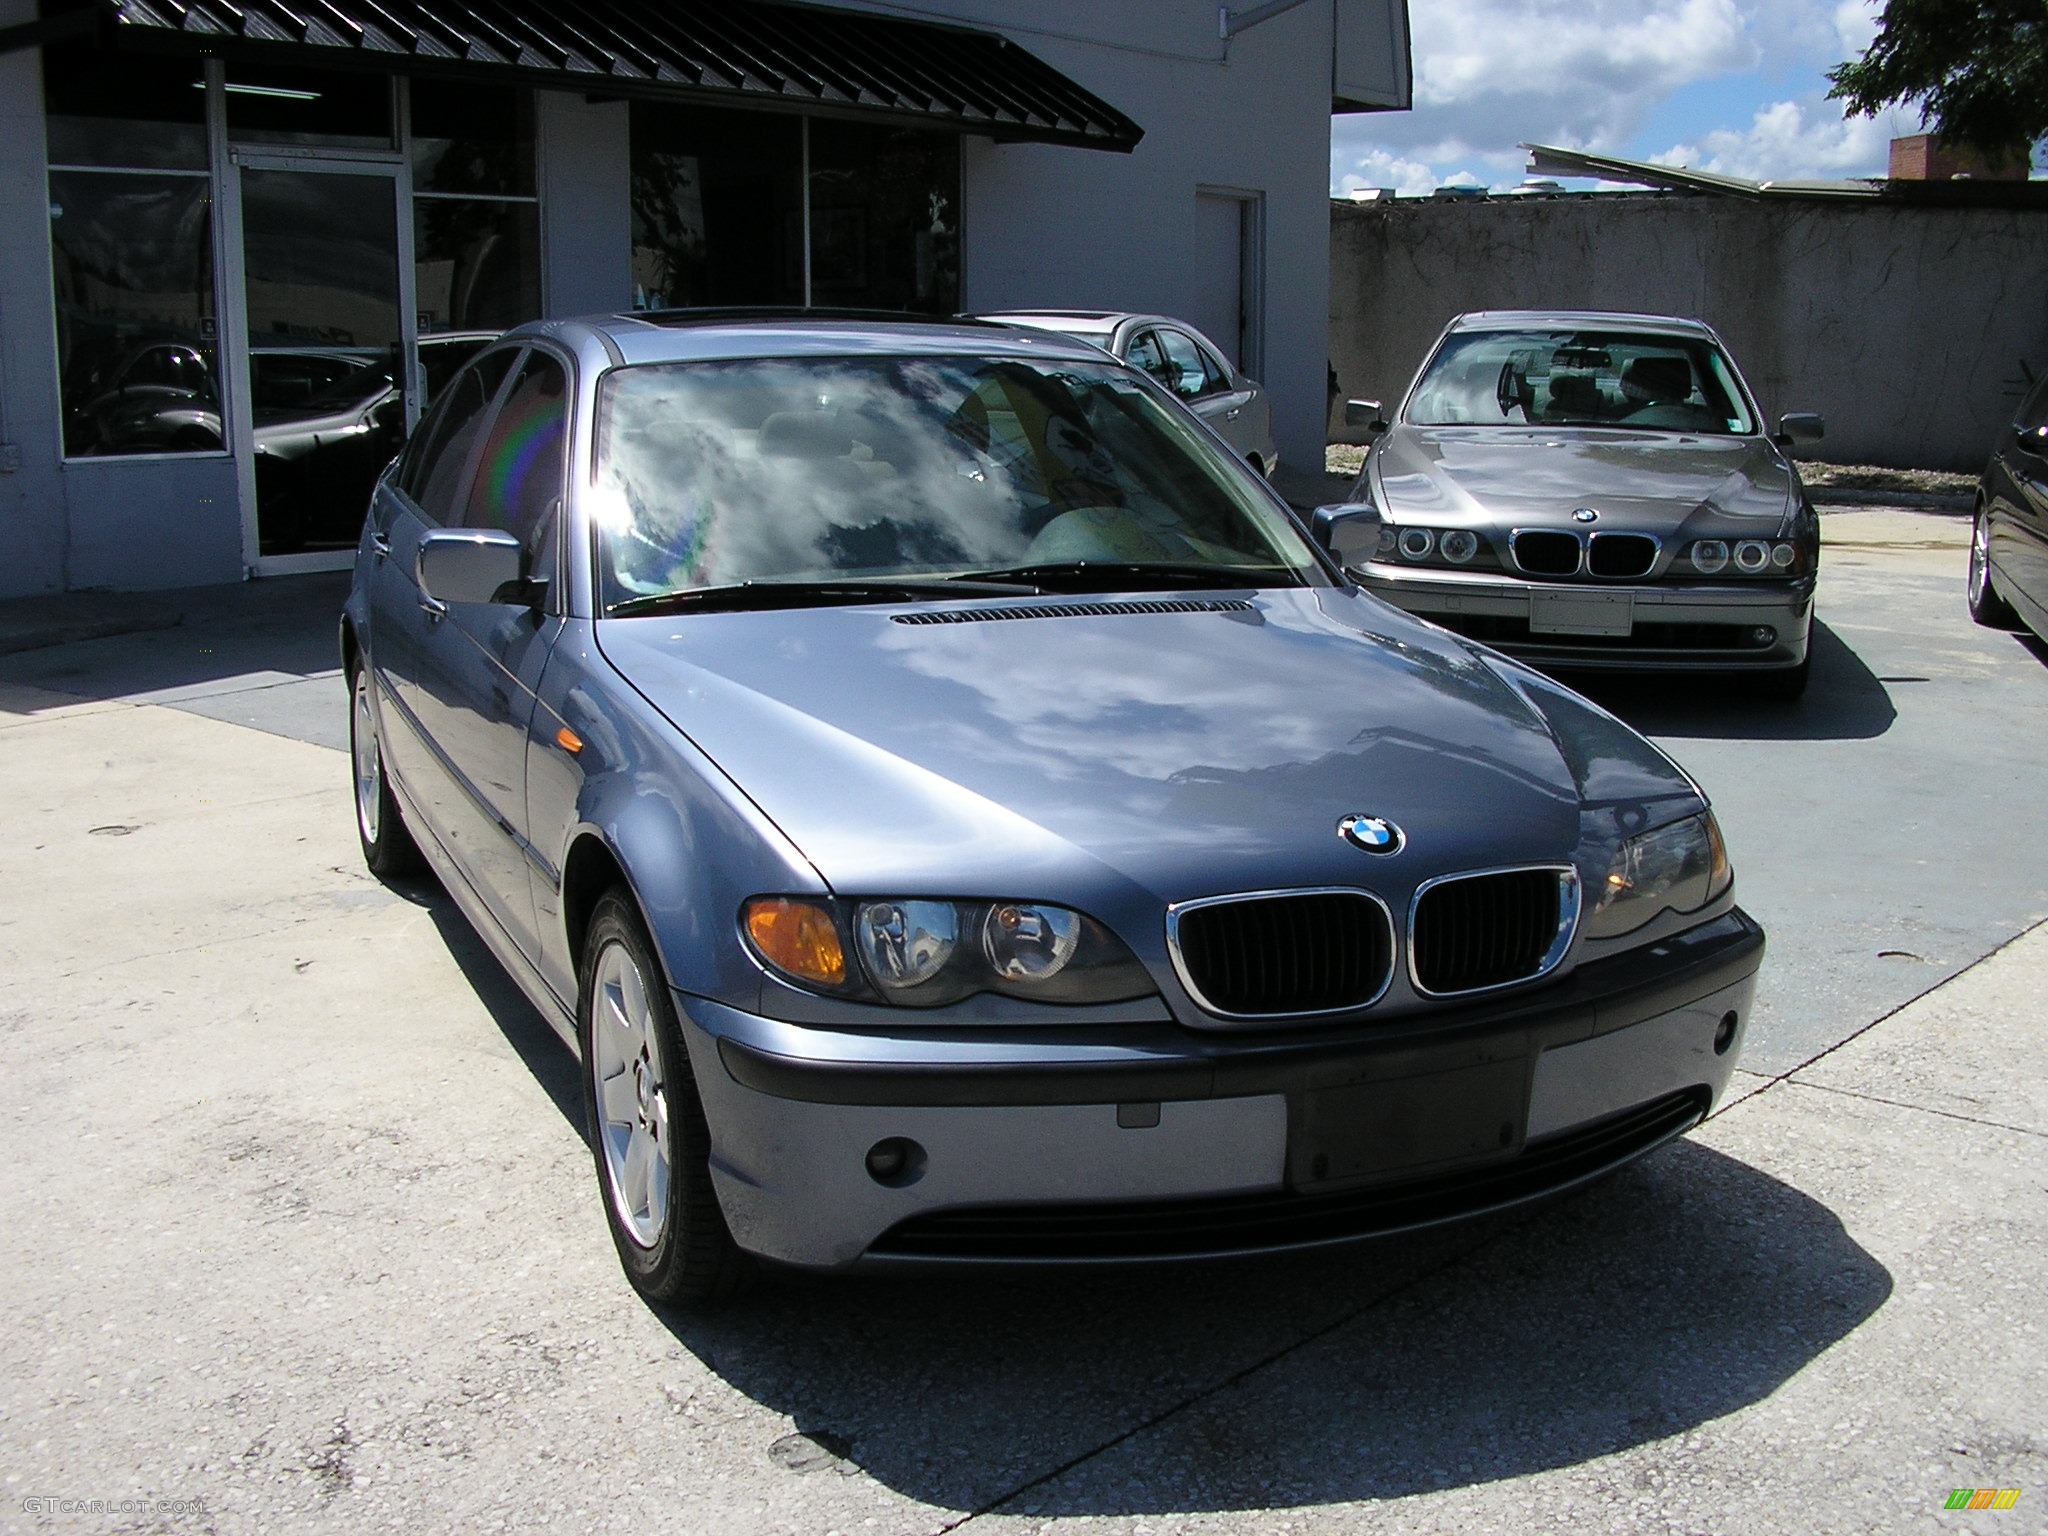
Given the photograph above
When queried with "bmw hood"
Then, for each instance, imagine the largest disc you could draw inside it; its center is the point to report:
(1651, 482)
(935, 749)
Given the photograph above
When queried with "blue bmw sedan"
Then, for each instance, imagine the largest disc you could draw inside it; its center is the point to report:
(956, 812)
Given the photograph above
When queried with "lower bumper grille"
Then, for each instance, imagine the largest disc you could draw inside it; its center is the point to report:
(1494, 630)
(1248, 1223)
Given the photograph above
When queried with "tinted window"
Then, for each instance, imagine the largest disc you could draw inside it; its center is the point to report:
(1580, 379)
(2034, 411)
(1142, 351)
(1189, 373)
(722, 472)
(519, 472)
(432, 475)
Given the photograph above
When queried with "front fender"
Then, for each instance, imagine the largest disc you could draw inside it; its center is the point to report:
(689, 843)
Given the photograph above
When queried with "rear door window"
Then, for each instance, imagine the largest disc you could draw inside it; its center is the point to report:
(433, 471)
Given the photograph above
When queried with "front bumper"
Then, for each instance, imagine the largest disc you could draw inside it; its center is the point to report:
(1679, 626)
(1163, 1144)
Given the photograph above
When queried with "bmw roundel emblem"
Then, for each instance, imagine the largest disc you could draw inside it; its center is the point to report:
(1375, 834)
(1585, 515)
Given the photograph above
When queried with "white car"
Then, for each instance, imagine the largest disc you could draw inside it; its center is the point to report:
(1182, 359)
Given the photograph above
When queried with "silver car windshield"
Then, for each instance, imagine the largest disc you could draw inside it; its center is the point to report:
(793, 470)
(1581, 379)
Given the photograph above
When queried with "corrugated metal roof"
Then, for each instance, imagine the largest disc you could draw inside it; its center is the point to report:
(1548, 160)
(733, 51)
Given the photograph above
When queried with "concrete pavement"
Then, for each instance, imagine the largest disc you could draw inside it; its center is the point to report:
(302, 1228)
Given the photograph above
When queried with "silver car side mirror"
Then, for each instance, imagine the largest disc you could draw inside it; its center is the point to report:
(1349, 530)
(471, 565)
(1800, 427)
(1364, 416)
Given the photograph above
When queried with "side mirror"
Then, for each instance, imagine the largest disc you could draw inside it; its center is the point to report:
(471, 565)
(1349, 530)
(1800, 427)
(1364, 416)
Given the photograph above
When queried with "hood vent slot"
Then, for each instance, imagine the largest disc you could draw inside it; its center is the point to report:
(1072, 610)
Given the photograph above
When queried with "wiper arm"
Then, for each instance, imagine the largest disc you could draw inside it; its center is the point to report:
(744, 595)
(1136, 576)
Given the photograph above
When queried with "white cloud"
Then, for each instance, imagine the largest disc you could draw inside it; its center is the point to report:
(1490, 74)
(1787, 140)
(1383, 168)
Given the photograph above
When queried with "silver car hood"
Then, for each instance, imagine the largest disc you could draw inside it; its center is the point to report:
(1188, 753)
(1536, 477)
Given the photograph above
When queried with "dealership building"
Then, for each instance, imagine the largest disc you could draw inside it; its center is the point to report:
(274, 226)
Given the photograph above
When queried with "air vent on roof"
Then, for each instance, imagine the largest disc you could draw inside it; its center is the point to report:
(1072, 610)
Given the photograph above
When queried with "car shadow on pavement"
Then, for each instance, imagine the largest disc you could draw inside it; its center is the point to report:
(1844, 701)
(1678, 1291)
(537, 1045)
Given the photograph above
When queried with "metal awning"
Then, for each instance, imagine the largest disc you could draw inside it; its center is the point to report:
(735, 52)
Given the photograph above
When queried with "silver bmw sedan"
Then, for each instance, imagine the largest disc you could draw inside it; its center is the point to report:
(955, 812)
(1595, 491)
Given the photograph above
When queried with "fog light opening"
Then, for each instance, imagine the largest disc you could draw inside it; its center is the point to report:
(1763, 634)
(1724, 1033)
(897, 1162)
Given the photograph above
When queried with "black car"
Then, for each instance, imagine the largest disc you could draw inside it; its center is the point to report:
(2009, 546)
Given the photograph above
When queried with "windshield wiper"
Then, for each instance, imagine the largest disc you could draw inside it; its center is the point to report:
(1135, 576)
(744, 595)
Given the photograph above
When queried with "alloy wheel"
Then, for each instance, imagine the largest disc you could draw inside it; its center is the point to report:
(632, 1096)
(369, 766)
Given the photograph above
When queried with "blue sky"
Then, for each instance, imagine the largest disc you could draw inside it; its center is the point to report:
(1736, 86)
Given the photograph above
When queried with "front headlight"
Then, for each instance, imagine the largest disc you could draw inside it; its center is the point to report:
(1679, 868)
(923, 953)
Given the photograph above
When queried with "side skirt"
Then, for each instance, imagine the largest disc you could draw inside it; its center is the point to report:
(508, 954)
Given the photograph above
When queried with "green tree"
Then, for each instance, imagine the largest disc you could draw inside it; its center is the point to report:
(1977, 69)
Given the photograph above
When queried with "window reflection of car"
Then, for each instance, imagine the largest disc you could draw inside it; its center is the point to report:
(956, 813)
(2009, 541)
(1190, 366)
(316, 458)
(1595, 491)
(163, 397)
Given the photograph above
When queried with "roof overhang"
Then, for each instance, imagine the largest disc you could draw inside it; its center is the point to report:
(742, 53)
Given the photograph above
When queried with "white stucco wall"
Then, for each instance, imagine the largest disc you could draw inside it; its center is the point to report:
(1046, 226)
(32, 534)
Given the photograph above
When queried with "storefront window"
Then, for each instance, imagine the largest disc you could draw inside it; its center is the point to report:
(476, 223)
(131, 252)
(885, 217)
(333, 109)
(717, 207)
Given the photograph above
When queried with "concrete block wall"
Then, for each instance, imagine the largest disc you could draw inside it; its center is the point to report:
(1906, 327)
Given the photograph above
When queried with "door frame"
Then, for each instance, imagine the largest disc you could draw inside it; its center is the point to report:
(1250, 341)
(234, 341)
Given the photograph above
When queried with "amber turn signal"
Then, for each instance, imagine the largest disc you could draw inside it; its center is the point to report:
(798, 938)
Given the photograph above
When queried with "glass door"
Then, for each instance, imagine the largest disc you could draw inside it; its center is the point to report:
(329, 387)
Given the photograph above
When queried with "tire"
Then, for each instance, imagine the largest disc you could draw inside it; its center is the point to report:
(648, 1139)
(1786, 684)
(388, 848)
(1987, 606)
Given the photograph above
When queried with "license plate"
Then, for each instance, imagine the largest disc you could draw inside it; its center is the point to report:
(1410, 1125)
(1581, 613)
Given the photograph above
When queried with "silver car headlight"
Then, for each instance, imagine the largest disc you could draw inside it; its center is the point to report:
(1677, 868)
(924, 953)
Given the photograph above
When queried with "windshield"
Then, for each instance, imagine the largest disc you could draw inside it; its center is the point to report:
(824, 469)
(1581, 379)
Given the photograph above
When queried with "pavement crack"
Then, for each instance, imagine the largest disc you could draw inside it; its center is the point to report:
(1819, 1056)
(1244, 1373)
(1924, 1109)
